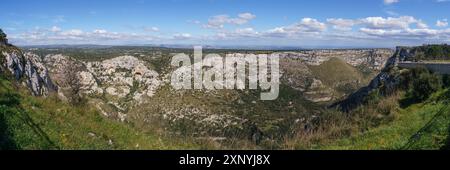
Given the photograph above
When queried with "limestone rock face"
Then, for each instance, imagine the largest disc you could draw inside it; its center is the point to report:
(374, 58)
(297, 74)
(124, 75)
(38, 79)
(29, 68)
(387, 78)
(14, 63)
(114, 85)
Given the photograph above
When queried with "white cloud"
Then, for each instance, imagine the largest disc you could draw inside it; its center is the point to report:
(100, 31)
(306, 26)
(390, 22)
(388, 2)
(73, 32)
(55, 29)
(239, 33)
(307, 30)
(77, 36)
(442, 23)
(341, 24)
(247, 16)
(219, 21)
(401, 28)
(182, 36)
(421, 25)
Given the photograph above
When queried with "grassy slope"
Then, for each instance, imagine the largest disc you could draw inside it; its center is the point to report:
(331, 71)
(419, 126)
(36, 123)
(340, 76)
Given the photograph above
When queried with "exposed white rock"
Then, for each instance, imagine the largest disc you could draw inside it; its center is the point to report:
(88, 83)
(30, 66)
(120, 75)
(373, 58)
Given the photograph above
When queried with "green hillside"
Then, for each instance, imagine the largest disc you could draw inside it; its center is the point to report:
(28, 122)
(343, 78)
(419, 126)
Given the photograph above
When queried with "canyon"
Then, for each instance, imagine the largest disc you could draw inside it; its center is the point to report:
(126, 88)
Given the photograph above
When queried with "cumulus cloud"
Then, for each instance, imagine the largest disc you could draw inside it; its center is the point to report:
(219, 21)
(247, 16)
(442, 23)
(305, 26)
(341, 24)
(375, 29)
(56, 35)
(404, 27)
(391, 23)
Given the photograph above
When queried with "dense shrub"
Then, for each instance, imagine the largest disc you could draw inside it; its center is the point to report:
(434, 52)
(423, 85)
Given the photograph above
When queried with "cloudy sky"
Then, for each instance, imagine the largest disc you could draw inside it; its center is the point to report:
(331, 23)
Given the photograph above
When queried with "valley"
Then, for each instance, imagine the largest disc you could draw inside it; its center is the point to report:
(120, 97)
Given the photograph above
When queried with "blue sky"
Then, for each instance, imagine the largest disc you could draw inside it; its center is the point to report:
(346, 23)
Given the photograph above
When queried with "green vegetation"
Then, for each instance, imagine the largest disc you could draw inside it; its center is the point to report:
(331, 71)
(419, 126)
(432, 52)
(416, 115)
(28, 122)
(423, 83)
(339, 75)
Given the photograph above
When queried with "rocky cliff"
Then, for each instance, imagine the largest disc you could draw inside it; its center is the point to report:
(27, 68)
(385, 82)
(328, 75)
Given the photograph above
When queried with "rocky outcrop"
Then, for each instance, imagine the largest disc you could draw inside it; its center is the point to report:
(29, 69)
(37, 77)
(124, 75)
(297, 74)
(387, 79)
(373, 58)
(114, 85)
